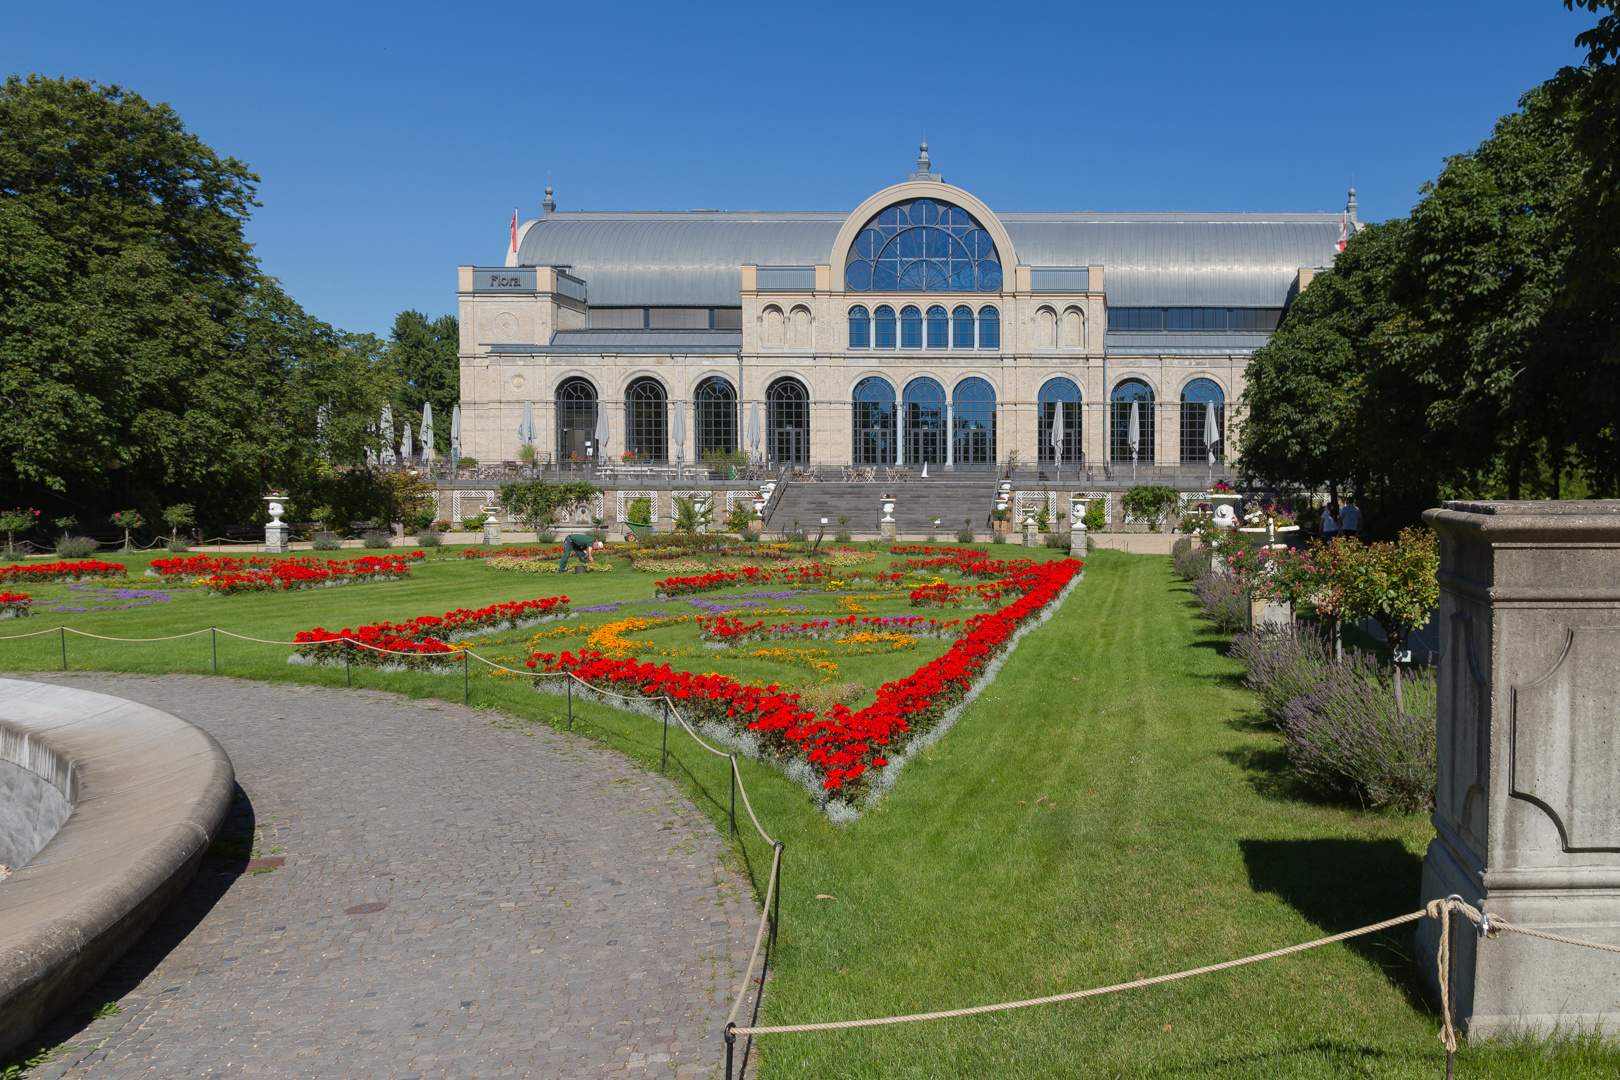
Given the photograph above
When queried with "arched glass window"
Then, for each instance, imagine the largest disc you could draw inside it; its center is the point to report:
(923, 409)
(716, 402)
(923, 246)
(645, 416)
(962, 328)
(973, 423)
(939, 328)
(860, 328)
(1203, 423)
(989, 328)
(1132, 414)
(910, 328)
(883, 327)
(576, 419)
(1065, 395)
(787, 422)
(873, 423)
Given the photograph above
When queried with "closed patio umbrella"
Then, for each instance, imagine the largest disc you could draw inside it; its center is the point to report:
(678, 434)
(1056, 435)
(1133, 434)
(1212, 431)
(602, 432)
(526, 426)
(753, 427)
(455, 434)
(387, 432)
(427, 431)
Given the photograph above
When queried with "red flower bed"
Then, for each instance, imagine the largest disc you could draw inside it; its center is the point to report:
(425, 635)
(229, 577)
(841, 745)
(687, 586)
(512, 553)
(14, 605)
(61, 571)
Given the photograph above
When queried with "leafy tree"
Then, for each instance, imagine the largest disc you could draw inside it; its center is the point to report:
(538, 502)
(144, 359)
(425, 357)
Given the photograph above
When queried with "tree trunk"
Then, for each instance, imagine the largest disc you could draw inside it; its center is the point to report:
(1400, 705)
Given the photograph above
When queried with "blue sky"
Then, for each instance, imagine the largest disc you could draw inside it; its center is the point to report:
(394, 140)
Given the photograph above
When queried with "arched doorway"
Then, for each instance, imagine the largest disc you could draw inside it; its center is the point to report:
(923, 422)
(1131, 414)
(646, 416)
(576, 420)
(1059, 394)
(1203, 423)
(973, 423)
(873, 423)
(787, 422)
(716, 404)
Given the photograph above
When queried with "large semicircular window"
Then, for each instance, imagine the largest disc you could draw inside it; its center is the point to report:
(923, 246)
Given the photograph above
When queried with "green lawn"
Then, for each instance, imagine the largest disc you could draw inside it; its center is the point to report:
(1111, 807)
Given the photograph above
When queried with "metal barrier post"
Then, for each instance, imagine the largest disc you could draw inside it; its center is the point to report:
(776, 902)
(731, 1045)
(348, 674)
(64, 646)
(214, 632)
(570, 702)
(466, 683)
(1451, 986)
(664, 759)
(733, 759)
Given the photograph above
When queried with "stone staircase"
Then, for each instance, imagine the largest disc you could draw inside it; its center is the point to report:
(951, 500)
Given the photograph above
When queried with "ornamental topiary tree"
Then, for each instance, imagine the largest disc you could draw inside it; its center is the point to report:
(1395, 586)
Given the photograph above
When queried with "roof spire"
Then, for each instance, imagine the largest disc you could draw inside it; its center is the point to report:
(922, 172)
(549, 204)
(1350, 206)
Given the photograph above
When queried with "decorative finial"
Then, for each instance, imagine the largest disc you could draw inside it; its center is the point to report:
(1350, 206)
(923, 172)
(549, 204)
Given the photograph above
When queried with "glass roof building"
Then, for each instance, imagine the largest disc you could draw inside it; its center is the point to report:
(921, 327)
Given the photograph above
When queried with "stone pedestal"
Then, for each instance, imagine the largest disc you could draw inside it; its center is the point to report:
(1268, 613)
(1528, 807)
(275, 538)
(1077, 540)
(492, 532)
(886, 530)
(1032, 535)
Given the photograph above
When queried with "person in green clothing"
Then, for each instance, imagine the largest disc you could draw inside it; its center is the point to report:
(582, 544)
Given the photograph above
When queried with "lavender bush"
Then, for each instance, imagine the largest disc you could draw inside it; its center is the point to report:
(1225, 602)
(1345, 737)
(1285, 663)
(1190, 562)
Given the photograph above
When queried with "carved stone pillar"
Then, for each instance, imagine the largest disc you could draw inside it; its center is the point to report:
(1528, 807)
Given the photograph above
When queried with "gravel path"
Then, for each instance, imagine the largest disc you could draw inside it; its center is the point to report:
(547, 908)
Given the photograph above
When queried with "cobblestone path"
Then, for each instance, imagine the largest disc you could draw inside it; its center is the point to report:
(543, 907)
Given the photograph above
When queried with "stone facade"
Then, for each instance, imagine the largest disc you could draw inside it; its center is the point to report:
(510, 354)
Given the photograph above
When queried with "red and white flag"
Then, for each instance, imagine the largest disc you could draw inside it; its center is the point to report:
(514, 233)
(1344, 230)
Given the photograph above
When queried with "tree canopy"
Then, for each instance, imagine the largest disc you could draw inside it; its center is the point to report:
(1443, 355)
(425, 357)
(145, 360)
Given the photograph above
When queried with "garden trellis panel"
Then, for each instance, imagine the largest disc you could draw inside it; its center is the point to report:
(1107, 498)
(627, 497)
(465, 504)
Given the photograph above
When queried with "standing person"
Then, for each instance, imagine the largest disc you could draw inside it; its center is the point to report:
(582, 544)
(1330, 520)
(1350, 517)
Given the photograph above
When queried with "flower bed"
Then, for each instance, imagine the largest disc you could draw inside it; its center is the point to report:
(541, 564)
(60, 570)
(841, 747)
(511, 553)
(424, 638)
(729, 630)
(14, 605)
(272, 575)
(197, 567)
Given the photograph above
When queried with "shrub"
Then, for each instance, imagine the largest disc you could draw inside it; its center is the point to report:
(14, 554)
(1096, 518)
(1346, 738)
(1284, 663)
(545, 536)
(429, 538)
(1150, 502)
(1057, 540)
(76, 547)
(1192, 563)
(741, 516)
(842, 537)
(749, 536)
(376, 538)
(639, 512)
(475, 523)
(1224, 600)
(964, 536)
(1181, 547)
(325, 541)
(177, 543)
